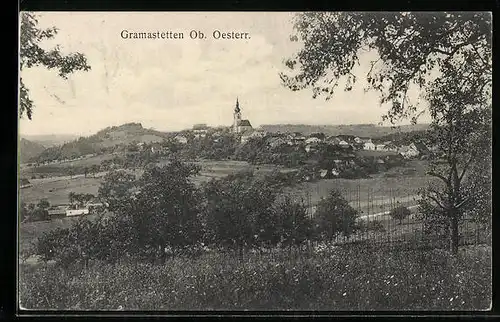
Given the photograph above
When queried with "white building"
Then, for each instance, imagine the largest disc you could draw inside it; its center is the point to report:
(77, 212)
(313, 140)
(370, 146)
(409, 151)
(344, 144)
(181, 139)
(200, 130)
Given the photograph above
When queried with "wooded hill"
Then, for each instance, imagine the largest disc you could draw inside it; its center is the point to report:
(28, 149)
(104, 141)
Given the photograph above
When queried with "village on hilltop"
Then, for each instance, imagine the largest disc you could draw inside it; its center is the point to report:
(312, 157)
(243, 129)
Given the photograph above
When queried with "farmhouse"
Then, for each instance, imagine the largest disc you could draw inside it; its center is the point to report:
(57, 211)
(362, 140)
(200, 130)
(313, 140)
(408, 152)
(389, 146)
(181, 139)
(77, 212)
(344, 144)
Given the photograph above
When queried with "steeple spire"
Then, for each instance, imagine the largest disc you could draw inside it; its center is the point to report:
(237, 108)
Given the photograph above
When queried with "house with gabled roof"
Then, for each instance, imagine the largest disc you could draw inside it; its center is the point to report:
(362, 140)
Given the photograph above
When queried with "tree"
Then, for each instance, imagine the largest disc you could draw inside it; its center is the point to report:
(447, 56)
(238, 211)
(292, 222)
(410, 46)
(23, 212)
(32, 54)
(334, 215)
(115, 189)
(400, 213)
(166, 210)
(464, 178)
(43, 204)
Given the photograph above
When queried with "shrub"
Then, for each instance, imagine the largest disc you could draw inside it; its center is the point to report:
(400, 213)
(371, 225)
(334, 215)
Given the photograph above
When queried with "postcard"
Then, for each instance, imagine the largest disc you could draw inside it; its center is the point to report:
(255, 161)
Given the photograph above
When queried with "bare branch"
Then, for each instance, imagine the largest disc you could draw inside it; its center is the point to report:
(440, 176)
(437, 202)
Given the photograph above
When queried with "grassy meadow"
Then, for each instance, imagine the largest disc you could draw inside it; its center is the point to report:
(330, 278)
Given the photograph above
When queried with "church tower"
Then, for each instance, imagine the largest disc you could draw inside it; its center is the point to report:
(237, 117)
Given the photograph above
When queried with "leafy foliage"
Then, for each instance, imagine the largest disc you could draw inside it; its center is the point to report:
(116, 188)
(410, 46)
(293, 225)
(445, 55)
(334, 216)
(32, 54)
(400, 213)
(243, 203)
(32, 212)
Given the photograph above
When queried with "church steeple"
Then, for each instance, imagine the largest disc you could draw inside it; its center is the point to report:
(237, 107)
(237, 117)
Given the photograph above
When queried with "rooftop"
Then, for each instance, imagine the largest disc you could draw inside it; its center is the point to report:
(244, 123)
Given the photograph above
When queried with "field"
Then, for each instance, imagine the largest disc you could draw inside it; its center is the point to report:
(56, 168)
(323, 278)
(29, 232)
(370, 196)
(56, 189)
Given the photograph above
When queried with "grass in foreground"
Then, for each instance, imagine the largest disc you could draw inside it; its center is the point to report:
(341, 279)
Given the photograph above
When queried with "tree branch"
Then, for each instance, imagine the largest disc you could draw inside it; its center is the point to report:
(437, 202)
(440, 176)
(466, 167)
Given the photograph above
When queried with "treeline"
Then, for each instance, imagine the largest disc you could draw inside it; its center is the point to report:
(164, 214)
(405, 138)
(34, 212)
(365, 130)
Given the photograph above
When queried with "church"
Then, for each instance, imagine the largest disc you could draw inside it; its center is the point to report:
(239, 125)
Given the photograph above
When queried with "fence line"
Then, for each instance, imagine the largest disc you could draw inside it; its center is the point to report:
(374, 208)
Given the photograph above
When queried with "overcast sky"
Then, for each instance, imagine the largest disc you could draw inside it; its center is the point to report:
(173, 84)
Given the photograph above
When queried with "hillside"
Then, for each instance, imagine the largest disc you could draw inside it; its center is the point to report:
(364, 130)
(104, 141)
(28, 149)
(49, 140)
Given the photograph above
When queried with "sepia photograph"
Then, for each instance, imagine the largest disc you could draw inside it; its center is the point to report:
(254, 161)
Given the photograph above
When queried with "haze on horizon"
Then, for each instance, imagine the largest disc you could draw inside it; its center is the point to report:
(170, 85)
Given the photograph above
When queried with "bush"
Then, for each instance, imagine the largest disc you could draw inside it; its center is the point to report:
(334, 216)
(371, 225)
(400, 213)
